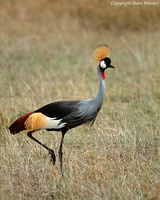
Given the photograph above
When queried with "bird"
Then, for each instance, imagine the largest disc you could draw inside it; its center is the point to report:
(62, 116)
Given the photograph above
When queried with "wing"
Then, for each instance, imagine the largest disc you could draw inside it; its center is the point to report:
(55, 115)
(67, 114)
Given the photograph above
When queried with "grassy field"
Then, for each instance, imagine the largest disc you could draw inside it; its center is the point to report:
(117, 158)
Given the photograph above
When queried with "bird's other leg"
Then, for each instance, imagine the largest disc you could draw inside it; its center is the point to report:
(61, 153)
(51, 152)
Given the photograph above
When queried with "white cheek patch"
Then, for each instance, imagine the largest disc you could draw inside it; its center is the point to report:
(102, 64)
(53, 123)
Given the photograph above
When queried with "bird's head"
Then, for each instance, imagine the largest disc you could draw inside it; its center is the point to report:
(101, 54)
(106, 63)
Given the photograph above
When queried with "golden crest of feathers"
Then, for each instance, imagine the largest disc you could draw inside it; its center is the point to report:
(101, 52)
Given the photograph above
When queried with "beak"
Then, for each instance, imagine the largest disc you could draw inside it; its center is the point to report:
(111, 66)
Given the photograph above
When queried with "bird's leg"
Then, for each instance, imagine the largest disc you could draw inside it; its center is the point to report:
(61, 153)
(53, 157)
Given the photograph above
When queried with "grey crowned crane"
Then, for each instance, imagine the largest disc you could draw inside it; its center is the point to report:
(65, 115)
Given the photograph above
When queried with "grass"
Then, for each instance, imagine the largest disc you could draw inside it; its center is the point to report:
(94, 14)
(117, 158)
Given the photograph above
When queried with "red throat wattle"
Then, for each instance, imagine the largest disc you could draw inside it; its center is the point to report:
(103, 75)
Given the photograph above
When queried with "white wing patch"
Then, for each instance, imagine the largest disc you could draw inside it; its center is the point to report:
(53, 123)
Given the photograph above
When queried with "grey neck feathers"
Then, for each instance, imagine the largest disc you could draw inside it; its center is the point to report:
(100, 96)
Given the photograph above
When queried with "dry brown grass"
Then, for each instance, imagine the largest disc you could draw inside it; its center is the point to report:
(45, 58)
(94, 14)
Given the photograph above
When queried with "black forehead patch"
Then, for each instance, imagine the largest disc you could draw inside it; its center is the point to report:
(107, 61)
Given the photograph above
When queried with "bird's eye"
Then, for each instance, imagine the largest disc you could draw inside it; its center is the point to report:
(103, 64)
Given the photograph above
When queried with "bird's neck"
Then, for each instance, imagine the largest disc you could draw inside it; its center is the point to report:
(100, 96)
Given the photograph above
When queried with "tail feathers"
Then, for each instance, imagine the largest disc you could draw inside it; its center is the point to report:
(19, 124)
